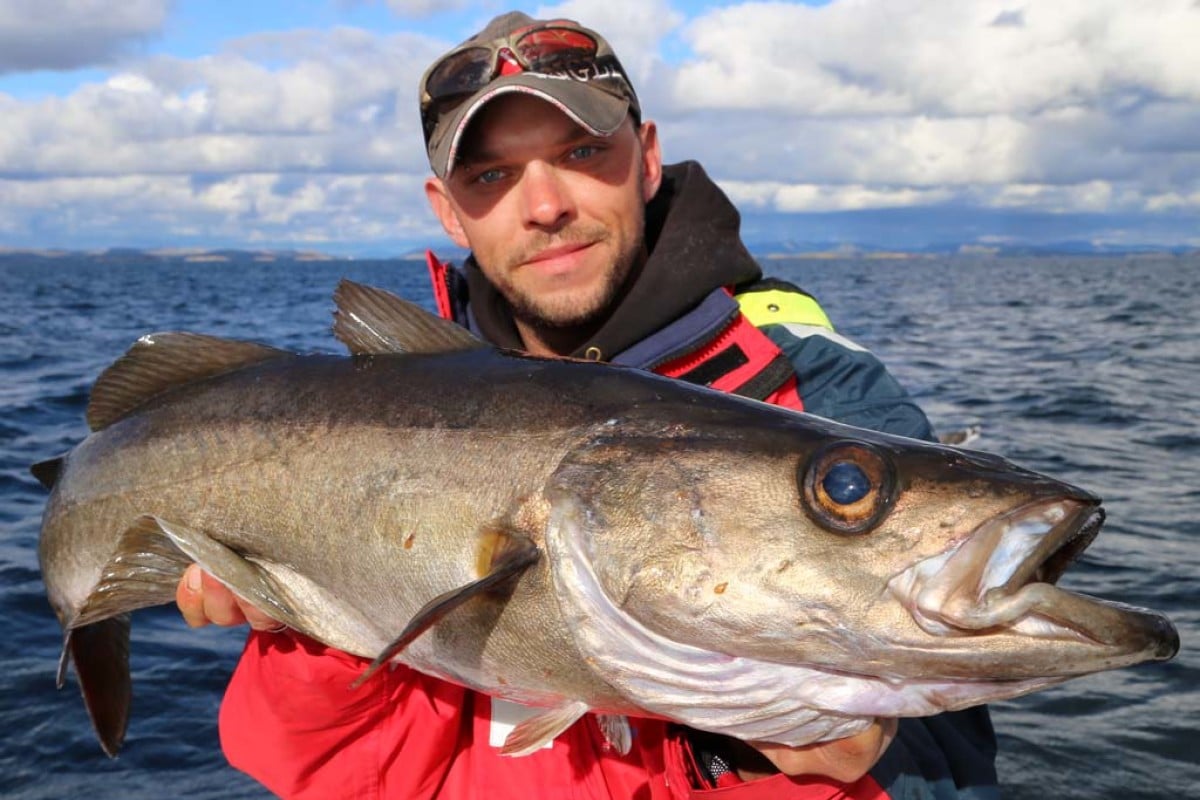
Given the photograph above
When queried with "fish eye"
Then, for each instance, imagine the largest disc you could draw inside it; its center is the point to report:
(846, 483)
(848, 487)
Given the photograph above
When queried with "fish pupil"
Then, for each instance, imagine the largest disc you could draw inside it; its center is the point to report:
(845, 483)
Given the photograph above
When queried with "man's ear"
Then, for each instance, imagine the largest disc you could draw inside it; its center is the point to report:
(651, 160)
(439, 201)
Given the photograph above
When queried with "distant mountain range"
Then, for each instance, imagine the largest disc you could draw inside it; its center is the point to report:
(127, 255)
(788, 249)
(764, 250)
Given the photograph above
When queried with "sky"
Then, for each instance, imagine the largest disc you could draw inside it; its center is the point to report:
(886, 124)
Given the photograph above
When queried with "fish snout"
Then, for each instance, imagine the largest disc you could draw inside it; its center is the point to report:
(1000, 584)
(1167, 637)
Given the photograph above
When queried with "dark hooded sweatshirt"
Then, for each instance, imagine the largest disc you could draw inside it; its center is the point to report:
(675, 303)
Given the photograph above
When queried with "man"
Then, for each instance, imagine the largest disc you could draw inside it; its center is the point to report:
(584, 245)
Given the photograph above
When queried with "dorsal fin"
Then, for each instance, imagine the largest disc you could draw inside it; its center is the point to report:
(371, 321)
(161, 361)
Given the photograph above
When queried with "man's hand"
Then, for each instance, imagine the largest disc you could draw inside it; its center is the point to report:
(202, 599)
(843, 760)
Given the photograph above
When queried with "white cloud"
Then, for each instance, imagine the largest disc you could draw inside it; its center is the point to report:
(319, 208)
(306, 135)
(1097, 102)
(420, 8)
(68, 34)
(940, 56)
(807, 197)
(348, 107)
(1071, 105)
(918, 151)
(1173, 201)
(1094, 196)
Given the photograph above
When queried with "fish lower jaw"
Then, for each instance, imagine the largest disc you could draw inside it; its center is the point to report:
(1087, 634)
(1021, 614)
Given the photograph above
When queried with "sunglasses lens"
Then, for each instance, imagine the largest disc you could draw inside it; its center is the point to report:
(461, 72)
(473, 68)
(547, 47)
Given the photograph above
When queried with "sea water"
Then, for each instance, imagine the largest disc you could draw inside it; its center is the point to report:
(1087, 369)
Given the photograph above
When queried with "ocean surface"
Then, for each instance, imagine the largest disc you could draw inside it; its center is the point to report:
(1085, 368)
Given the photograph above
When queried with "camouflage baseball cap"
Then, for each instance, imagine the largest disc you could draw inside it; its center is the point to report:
(559, 61)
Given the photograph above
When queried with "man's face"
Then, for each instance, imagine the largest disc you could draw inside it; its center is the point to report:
(554, 215)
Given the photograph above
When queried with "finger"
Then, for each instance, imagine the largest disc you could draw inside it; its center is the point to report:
(189, 597)
(257, 619)
(223, 607)
(220, 604)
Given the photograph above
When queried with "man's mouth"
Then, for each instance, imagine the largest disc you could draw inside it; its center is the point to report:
(558, 251)
(559, 259)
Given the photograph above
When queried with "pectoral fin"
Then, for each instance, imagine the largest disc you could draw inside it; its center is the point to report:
(534, 732)
(518, 554)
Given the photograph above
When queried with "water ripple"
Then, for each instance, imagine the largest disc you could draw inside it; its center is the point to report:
(1083, 368)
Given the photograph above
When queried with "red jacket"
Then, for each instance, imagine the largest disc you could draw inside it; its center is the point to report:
(290, 719)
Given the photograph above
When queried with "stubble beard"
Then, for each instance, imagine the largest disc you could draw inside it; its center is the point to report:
(579, 308)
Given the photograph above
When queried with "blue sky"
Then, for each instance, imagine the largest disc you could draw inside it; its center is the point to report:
(267, 123)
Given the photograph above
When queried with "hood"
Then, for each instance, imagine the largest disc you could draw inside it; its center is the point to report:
(692, 235)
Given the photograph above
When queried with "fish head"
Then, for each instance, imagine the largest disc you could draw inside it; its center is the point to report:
(804, 542)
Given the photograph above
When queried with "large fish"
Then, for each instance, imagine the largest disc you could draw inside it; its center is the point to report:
(570, 535)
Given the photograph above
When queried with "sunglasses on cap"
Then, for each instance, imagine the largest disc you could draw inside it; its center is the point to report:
(544, 47)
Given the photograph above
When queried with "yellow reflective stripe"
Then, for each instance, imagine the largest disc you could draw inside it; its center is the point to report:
(776, 306)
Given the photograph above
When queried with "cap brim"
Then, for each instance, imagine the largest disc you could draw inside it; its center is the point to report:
(593, 109)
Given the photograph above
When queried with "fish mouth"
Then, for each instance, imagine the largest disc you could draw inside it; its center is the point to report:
(1002, 579)
(1055, 550)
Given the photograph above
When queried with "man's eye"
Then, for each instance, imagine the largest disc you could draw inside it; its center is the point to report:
(489, 176)
(583, 151)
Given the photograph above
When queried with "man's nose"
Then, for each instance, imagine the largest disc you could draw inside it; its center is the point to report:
(547, 200)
